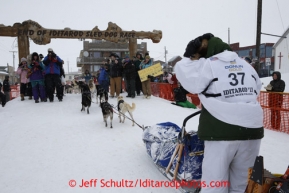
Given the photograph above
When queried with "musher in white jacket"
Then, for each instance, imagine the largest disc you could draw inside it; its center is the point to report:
(231, 121)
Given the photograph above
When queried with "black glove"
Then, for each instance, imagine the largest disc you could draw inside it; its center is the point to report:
(149, 76)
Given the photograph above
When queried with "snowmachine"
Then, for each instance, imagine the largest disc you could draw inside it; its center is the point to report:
(176, 153)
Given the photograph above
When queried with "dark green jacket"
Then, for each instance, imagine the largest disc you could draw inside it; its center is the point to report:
(136, 64)
(212, 129)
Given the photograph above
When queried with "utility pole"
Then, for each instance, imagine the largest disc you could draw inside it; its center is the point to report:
(229, 36)
(13, 58)
(13, 74)
(166, 54)
(258, 36)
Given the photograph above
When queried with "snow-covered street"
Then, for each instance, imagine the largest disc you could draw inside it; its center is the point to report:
(44, 146)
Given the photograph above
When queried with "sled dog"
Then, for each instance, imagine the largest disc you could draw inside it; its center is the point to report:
(106, 112)
(124, 107)
(86, 97)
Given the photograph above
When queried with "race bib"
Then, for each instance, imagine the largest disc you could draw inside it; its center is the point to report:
(236, 82)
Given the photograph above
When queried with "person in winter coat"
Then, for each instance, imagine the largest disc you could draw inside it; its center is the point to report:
(170, 78)
(2, 96)
(6, 88)
(180, 95)
(137, 62)
(95, 81)
(130, 74)
(115, 75)
(103, 78)
(25, 86)
(87, 76)
(62, 78)
(41, 57)
(37, 78)
(276, 99)
(231, 120)
(52, 75)
(146, 85)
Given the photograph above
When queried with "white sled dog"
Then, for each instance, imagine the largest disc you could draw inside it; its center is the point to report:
(124, 107)
(92, 89)
(75, 86)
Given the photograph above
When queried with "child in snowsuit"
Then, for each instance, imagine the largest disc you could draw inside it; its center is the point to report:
(37, 79)
(25, 86)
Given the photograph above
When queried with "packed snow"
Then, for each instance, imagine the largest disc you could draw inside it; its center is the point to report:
(43, 146)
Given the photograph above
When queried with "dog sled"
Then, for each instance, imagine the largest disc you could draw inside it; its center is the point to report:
(177, 154)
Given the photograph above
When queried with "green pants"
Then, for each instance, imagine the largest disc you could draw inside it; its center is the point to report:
(186, 104)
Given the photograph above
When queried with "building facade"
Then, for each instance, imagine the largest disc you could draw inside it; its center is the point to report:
(8, 70)
(281, 53)
(266, 52)
(72, 75)
(96, 52)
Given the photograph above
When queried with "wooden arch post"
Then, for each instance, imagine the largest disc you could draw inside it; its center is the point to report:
(132, 47)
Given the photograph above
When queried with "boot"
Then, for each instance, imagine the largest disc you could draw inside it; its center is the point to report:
(22, 97)
(30, 97)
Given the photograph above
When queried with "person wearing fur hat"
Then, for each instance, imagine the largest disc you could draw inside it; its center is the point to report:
(37, 78)
(52, 67)
(25, 86)
(137, 62)
(146, 85)
(231, 120)
(115, 73)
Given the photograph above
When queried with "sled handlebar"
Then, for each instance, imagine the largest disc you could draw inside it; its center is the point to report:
(183, 132)
(189, 117)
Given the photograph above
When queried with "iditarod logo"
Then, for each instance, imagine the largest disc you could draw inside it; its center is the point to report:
(234, 67)
(238, 92)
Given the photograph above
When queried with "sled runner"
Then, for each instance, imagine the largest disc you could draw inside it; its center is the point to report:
(177, 154)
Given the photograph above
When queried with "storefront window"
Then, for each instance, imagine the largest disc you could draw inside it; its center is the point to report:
(95, 54)
(96, 68)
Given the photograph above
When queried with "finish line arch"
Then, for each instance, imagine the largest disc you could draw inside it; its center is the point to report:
(42, 36)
